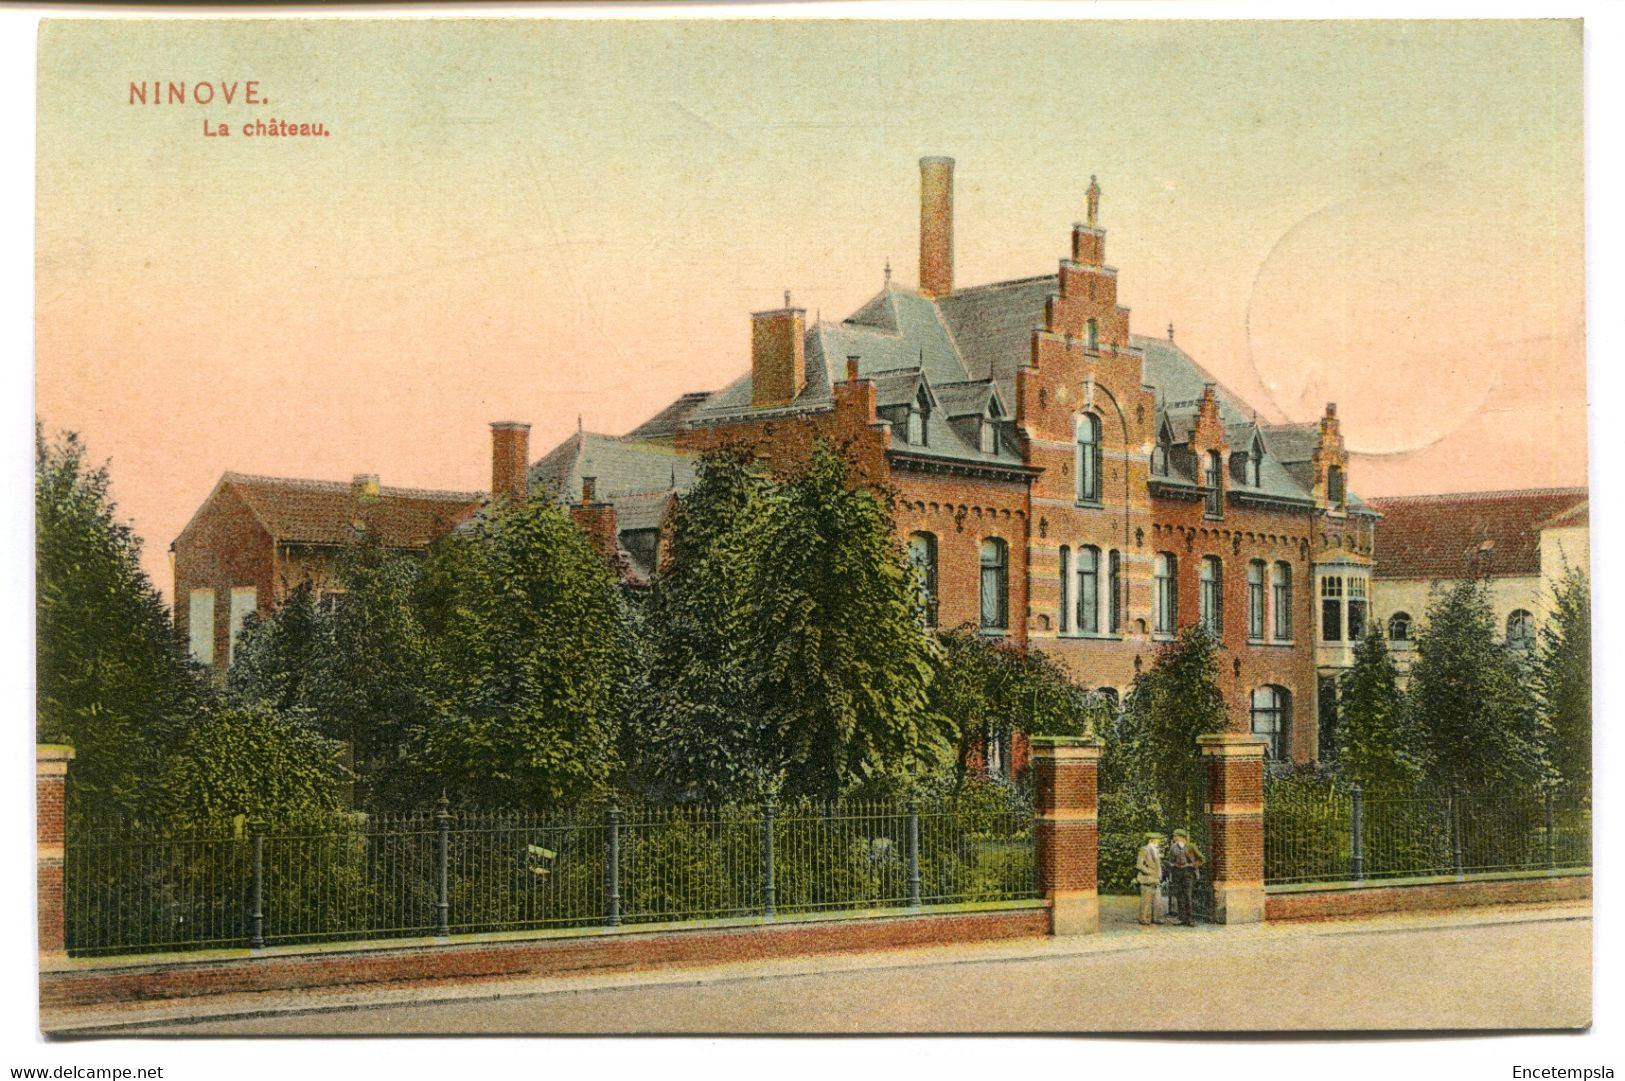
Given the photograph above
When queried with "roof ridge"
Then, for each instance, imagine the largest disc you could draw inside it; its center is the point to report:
(310, 485)
(1497, 493)
(1007, 283)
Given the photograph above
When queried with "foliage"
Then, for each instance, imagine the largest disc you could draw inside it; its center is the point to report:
(254, 762)
(1563, 679)
(528, 639)
(112, 680)
(1475, 722)
(278, 660)
(1152, 750)
(785, 645)
(1373, 737)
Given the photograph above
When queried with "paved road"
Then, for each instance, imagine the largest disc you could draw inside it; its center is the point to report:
(1426, 973)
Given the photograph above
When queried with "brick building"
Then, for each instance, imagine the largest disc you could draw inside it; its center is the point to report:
(254, 538)
(1063, 482)
(1518, 542)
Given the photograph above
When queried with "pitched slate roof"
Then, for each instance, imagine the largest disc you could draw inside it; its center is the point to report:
(1463, 534)
(664, 424)
(622, 466)
(324, 512)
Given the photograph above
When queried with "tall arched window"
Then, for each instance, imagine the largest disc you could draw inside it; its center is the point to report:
(1065, 620)
(1399, 629)
(1521, 630)
(995, 591)
(1165, 595)
(1283, 600)
(1114, 591)
(1213, 595)
(1088, 464)
(1215, 484)
(1272, 720)
(1089, 590)
(922, 552)
(1255, 599)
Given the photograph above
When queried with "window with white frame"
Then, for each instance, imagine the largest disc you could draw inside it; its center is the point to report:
(1088, 590)
(1271, 720)
(1283, 601)
(995, 585)
(1357, 607)
(990, 436)
(1165, 594)
(922, 552)
(1255, 599)
(1214, 480)
(1212, 595)
(1331, 608)
(1521, 630)
(1399, 629)
(1088, 463)
(244, 602)
(200, 625)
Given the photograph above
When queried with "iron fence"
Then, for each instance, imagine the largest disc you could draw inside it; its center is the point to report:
(1331, 834)
(133, 888)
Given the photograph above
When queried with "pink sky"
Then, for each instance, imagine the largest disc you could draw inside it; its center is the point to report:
(540, 221)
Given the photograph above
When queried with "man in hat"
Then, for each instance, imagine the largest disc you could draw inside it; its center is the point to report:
(1148, 873)
(1184, 863)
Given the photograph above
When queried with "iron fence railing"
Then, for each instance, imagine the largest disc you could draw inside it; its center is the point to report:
(1333, 834)
(133, 888)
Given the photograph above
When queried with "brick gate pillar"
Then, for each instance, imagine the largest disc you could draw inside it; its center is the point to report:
(1235, 814)
(1064, 776)
(50, 814)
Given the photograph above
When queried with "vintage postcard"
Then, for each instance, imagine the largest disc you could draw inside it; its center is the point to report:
(754, 525)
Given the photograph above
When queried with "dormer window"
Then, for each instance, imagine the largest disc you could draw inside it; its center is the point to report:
(1215, 484)
(1255, 463)
(919, 411)
(1335, 488)
(990, 436)
(1162, 452)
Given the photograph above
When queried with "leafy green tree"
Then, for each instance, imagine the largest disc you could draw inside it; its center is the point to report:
(1373, 739)
(1475, 722)
(1563, 679)
(1176, 699)
(279, 658)
(250, 761)
(529, 637)
(842, 660)
(112, 679)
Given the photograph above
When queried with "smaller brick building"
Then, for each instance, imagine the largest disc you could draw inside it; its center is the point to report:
(254, 538)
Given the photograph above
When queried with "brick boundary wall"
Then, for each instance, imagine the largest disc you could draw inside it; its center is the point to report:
(1235, 812)
(50, 818)
(108, 981)
(1065, 775)
(1422, 897)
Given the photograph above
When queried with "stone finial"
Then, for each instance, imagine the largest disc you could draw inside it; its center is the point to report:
(1094, 201)
(888, 272)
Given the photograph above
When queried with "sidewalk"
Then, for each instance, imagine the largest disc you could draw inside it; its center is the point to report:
(1119, 934)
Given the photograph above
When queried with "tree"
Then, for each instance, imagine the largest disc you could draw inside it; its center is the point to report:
(528, 630)
(1475, 723)
(834, 621)
(112, 679)
(254, 762)
(279, 658)
(1172, 702)
(1563, 679)
(1373, 740)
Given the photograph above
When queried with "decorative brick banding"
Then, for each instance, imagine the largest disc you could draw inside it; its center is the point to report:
(1431, 897)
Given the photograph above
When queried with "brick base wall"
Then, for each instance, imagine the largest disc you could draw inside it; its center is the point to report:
(1433, 897)
(92, 983)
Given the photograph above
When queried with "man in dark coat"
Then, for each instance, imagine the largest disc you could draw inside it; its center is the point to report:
(1184, 864)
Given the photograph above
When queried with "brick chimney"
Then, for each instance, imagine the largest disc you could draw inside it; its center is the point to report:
(510, 458)
(778, 360)
(936, 226)
(598, 521)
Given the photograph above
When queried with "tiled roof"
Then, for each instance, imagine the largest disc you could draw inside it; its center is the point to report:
(330, 513)
(1468, 533)
(622, 466)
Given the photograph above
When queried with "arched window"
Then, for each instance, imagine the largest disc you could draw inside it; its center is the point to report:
(1255, 599)
(1213, 595)
(1113, 700)
(1335, 494)
(995, 591)
(1091, 331)
(1521, 630)
(922, 552)
(1088, 464)
(1272, 720)
(1165, 596)
(1399, 629)
(1215, 484)
(1089, 590)
(1065, 621)
(1114, 591)
(1283, 601)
